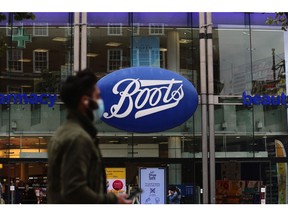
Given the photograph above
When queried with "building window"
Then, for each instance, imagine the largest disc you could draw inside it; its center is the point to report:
(14, 63)
(15, 30)
(114, 59)
(156, 29)
(114, 29)
(40, 60)
(40, 29)
(136, 29)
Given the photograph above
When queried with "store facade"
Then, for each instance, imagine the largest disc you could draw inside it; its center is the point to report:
(249, 133)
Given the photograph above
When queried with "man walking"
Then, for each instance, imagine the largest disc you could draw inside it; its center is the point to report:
(75, 169)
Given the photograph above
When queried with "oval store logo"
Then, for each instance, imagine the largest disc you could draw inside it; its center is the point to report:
(147, 99)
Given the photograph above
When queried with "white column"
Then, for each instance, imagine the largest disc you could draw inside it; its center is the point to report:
(173, 51)
(203, 93)
(174, 151)
(84, 41)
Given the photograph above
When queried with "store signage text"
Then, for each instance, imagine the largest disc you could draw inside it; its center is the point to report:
(147, 99)
(266, 100)
(151, 97)
(43, 99)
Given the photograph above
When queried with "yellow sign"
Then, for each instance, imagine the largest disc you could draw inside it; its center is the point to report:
(116, 173)
(116, 180)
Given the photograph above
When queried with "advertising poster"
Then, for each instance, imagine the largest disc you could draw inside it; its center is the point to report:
(153, 184)
(236, 191)
(222, 190)
(281, 173)
(116, 180)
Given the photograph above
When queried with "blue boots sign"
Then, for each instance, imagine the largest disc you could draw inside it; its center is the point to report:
(147, 99)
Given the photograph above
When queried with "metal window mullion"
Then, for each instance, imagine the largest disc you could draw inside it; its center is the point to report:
(211, 109)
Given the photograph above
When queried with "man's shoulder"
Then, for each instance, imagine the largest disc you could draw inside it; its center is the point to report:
(72, 128)
(70, 131)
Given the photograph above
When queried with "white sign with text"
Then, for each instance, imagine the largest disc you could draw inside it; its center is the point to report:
(153, 184)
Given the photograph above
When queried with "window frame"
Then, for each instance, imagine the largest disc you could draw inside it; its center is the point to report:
(108, 59)
(8, 60)
(34, 61)
(39, 25)
(114, 26)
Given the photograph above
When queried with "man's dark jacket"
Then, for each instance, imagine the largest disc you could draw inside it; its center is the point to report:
(75, 170)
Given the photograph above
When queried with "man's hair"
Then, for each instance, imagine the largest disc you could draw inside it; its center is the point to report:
(76, 86)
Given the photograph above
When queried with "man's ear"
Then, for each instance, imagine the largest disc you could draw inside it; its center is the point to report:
(85, 101)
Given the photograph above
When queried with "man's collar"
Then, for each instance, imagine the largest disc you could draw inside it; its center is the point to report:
(84, 122)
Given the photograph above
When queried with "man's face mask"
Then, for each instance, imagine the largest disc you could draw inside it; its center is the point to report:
(97, 107)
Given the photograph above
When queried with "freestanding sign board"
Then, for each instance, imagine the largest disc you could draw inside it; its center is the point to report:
(153, 184)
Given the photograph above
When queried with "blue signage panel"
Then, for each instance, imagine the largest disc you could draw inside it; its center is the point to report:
(266, 100)
(147, 99)
(43, 99)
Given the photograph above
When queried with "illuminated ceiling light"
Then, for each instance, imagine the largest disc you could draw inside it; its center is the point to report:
(40, 137)
(113, 141)
(125, 137)
(92, 55)
(163, 49)
(12, 137)
(1, 166)
(113, 44)
(24, 60)
(237, 137)
(41, 50)
(60, 39)
(154, 137)
(184, 41)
